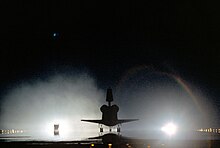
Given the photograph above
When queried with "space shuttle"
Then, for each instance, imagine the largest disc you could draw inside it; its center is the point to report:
(109, 114)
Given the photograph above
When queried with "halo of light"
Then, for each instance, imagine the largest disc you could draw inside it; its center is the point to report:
(64, 127)
(182, 83)
(169, 129)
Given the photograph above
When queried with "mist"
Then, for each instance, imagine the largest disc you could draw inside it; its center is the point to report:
(157, 98)
(65, 99)
(62, 98)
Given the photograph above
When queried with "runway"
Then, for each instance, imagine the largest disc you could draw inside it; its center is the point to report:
(133, 144)
(110, 141)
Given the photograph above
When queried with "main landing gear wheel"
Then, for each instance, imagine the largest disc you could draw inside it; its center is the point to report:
(118, 129)
(100, 128)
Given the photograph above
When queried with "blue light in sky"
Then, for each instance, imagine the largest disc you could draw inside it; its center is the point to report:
(55, 34)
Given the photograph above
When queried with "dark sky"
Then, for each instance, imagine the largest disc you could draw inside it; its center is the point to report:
(108, 38)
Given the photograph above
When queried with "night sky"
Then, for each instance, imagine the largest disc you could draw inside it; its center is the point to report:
(107, 39)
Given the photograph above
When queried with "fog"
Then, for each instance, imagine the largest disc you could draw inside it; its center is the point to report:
(152, 97)
(157, 98)
(61, 98)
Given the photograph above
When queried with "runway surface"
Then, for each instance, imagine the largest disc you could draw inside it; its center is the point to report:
(110, 141)
(133, 144)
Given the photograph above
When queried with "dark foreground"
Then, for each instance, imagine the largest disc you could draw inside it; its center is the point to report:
(132, 144)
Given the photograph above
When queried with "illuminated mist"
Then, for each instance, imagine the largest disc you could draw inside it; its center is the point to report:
(152, 97)
(64, 99)
(158, 98)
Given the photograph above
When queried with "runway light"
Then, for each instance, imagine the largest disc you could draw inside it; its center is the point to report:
(109, 145)
(170, 129)
(92, 145)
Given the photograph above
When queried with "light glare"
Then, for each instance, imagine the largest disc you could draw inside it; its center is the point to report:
(64, 127)
(170, 129)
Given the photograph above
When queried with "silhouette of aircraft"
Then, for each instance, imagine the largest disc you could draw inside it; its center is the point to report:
(109, 114)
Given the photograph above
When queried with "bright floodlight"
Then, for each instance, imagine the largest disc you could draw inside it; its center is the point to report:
(64, 127)
(170, 129)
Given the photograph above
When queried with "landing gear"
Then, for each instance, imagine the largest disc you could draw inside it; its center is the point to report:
(118, 129)
(101, 128)
(111, 129)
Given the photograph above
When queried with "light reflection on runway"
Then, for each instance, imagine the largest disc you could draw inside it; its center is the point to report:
(80, 136)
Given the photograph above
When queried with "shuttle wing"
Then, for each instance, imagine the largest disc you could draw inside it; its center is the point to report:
(126, 120)
(94, 121)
